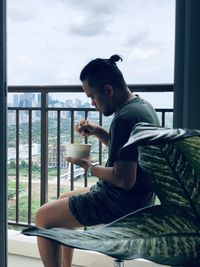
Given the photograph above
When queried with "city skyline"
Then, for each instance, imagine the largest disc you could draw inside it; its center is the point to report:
(158, 100)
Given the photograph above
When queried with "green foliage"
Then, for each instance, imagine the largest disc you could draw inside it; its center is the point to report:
(12, 188)
(168, 233)
(24, 164)
(12, 164)
(11, 194)
(23, 209)
(35, 167)
(23, 201)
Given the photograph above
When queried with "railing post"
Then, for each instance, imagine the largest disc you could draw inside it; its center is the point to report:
(58, 153)
(72, 141)
(44, 148)
(3, 137)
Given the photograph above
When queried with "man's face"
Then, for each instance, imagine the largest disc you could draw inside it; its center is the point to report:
(102, 101)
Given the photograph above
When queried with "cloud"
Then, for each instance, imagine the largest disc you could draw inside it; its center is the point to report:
(137, 37)
(141, 54)
(88, 18)
(142, 45)
(23, 10)
(92, 6)
(72, 17)
(50, 41)
(89, 26)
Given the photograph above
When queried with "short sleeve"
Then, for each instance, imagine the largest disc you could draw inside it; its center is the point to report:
(119, 134)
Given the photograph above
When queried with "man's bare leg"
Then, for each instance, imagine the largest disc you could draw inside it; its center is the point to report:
(67, 256)
(56, 214)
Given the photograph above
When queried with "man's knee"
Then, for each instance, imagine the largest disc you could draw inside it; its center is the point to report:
(41, 218)
(63, 196)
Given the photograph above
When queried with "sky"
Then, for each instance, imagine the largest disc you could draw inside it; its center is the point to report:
(49, 42)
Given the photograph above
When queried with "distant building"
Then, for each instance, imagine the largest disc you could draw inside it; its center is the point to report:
(24, 152)
(16, 100)
(52, 156)
(11, 117)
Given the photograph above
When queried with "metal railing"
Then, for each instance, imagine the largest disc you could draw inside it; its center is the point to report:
(25, 216)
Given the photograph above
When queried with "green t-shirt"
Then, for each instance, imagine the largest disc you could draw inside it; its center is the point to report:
(120, 201)
(126, 117)
(107, 202)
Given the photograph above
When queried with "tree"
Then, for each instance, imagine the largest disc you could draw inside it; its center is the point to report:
(24, 164)
(12, 164)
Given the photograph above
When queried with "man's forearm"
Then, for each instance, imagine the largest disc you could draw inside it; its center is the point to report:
(122, 175)
(107, 174)
(104, 173)
(102, 135)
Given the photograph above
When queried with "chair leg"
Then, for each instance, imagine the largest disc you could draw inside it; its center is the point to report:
(118, 263)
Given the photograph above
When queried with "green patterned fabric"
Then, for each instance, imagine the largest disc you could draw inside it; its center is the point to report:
(168, 233)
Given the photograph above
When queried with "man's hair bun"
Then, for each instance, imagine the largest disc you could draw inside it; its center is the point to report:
(115, 58)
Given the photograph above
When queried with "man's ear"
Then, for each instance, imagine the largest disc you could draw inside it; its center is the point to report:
(109, 89)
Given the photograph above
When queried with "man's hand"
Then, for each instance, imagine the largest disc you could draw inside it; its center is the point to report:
(83, 163)
(86, 128)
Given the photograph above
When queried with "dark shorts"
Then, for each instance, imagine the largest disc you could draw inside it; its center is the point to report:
(106, 203)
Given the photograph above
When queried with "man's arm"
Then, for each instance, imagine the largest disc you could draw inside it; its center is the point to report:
(102, 135)
(122, 174)
(86, 128)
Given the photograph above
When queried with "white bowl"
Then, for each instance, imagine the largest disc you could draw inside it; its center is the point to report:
(78, 150)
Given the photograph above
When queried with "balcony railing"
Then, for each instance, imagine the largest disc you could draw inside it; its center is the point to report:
(35, 178)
